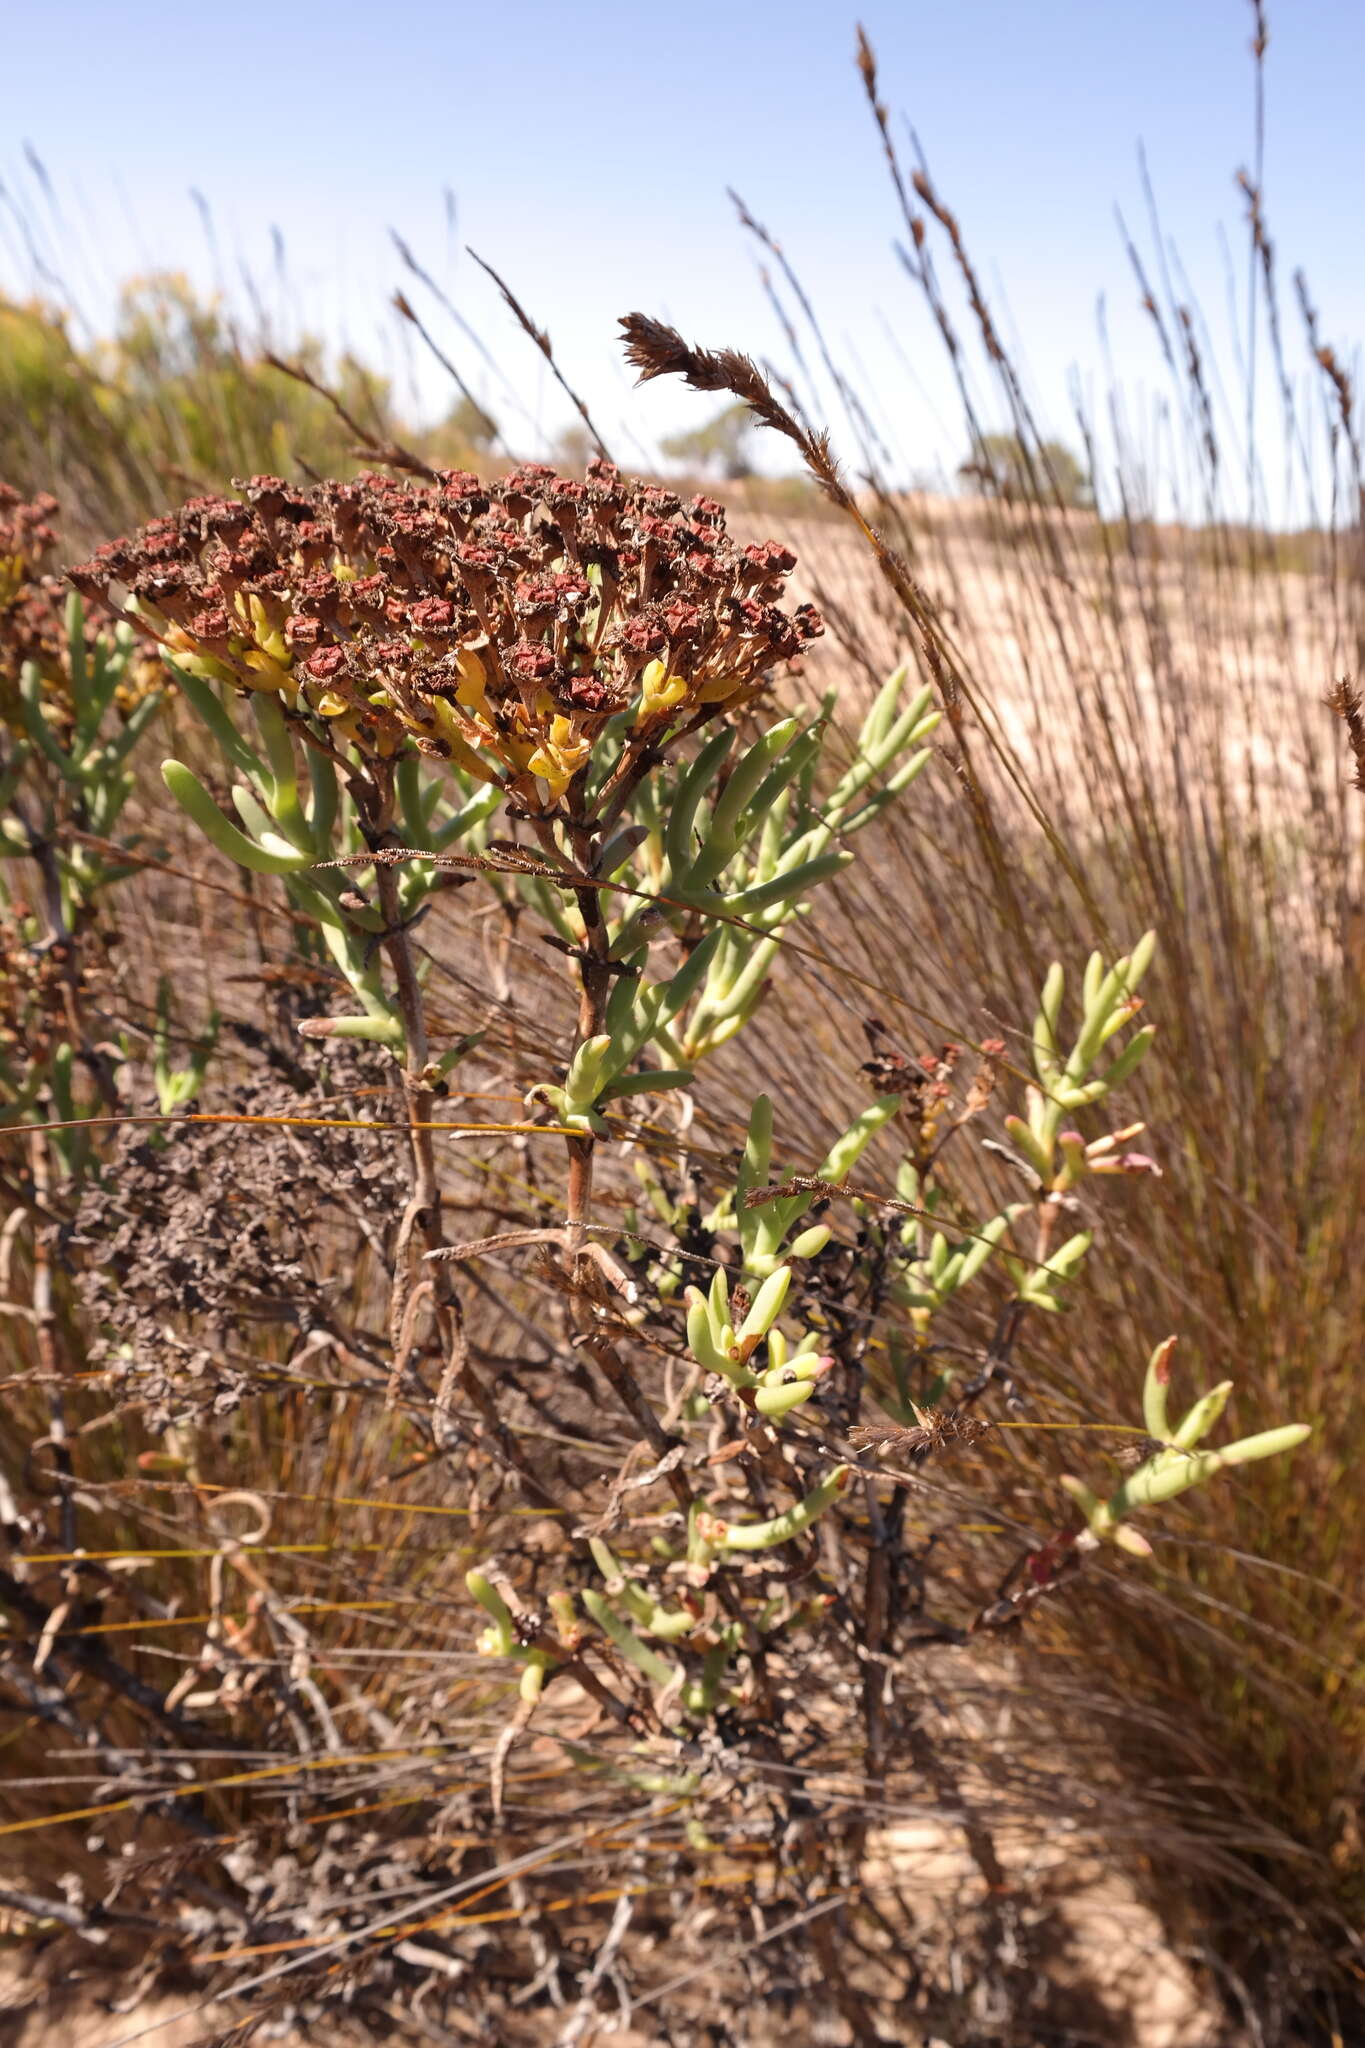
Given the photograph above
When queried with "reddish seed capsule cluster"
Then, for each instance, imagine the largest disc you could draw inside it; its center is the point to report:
(37, 985)
(497, 624)
(29, 620)
(33, 613)
(27, 537)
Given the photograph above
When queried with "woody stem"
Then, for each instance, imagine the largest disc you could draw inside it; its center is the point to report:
(594, 989)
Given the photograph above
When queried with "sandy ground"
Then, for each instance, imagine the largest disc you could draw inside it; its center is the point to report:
(1179, 659)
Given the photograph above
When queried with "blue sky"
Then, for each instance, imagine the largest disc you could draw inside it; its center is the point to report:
(589, 147)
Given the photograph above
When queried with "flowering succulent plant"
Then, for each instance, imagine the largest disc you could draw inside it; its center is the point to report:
(76, 695)
(383, 667)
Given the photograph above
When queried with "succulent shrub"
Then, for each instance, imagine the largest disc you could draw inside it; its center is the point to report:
(581, 663)
(563, 695)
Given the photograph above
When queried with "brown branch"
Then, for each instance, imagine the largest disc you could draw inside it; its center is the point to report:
(391, 454)
(542, 341)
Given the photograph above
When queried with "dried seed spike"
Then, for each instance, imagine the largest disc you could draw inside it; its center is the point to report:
(1344, 699)
(799, 1184)
(933, 1430)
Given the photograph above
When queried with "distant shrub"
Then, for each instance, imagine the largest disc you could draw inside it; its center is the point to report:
(1004, 466)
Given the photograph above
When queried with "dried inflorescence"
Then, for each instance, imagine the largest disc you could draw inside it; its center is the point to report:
(33, 992)
(33, 616)
(32, 629)
(933, 1431)
(27, 538)
(203, 1228)
(1344, 699)
(43, 988)
(30, 621)
(499, 624)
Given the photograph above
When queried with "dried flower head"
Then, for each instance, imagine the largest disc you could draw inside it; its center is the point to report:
(500, 625)
(191, 1238)
(933, 1430)
(1344, 699)
(27, 537)
(39, 983)
(29, 623)
(33, 621)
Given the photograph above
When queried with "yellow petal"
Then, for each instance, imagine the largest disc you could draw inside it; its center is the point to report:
(272, 676)
(472, 688)
(659, 691)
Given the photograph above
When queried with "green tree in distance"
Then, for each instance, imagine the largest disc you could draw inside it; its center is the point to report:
(573, 449)
(467, 429)
(720, 445)
(1003, 466)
